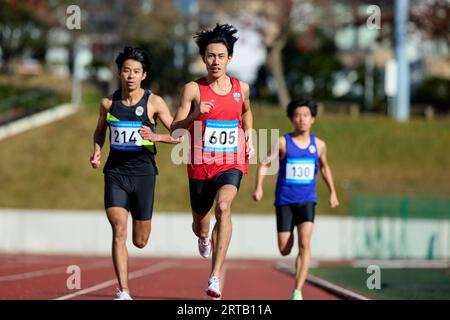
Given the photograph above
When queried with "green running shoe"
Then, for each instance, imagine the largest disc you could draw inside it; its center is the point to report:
(296, 295)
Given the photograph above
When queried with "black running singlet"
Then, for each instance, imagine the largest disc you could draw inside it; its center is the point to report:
(129, 154)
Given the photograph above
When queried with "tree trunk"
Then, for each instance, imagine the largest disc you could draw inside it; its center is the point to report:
(275, 64)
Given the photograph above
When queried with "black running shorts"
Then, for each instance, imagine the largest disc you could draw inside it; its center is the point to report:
(291, 215)
(203, 192)
(133, 193)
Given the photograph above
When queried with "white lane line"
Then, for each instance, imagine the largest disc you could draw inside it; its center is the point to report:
(337, 290)
(133, 275)
(56, 270)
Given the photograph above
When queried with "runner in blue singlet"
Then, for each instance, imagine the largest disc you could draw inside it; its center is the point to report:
(301, 156)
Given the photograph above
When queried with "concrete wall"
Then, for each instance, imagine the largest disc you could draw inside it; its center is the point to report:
(36, 120)
(254, 236)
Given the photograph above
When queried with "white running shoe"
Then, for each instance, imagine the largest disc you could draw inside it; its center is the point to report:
(204, 247)
(122, 295)
(213, 289)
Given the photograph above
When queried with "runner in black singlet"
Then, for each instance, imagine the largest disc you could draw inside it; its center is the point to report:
(130, 171)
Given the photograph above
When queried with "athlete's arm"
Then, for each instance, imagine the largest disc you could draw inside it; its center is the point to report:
(277, 151)
(184, 117)
(161, 110)
(247, 120)
(326, 172)
(100, 132)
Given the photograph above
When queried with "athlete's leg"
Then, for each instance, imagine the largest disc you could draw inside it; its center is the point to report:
(200, 224)
(118, 218)
(223, 227)
(141, 232)
(304, 255)
(202, 199)
(141, 207)
(285, 228)
(285, 242)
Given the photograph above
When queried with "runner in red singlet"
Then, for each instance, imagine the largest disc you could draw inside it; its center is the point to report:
(216, 111)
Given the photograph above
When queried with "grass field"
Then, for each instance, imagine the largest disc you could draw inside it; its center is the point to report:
(403, 284)
(48, 167)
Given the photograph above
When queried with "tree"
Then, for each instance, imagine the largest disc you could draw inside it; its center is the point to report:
(20, 31)
(154, 27)
(432, 19)
(273, 19)
(149, 24)
(310, 61)
(275, 31)
(429, 18)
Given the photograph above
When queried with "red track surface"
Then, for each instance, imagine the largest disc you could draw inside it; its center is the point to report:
(39, 277)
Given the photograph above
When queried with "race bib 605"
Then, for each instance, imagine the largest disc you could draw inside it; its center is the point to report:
(221, 136)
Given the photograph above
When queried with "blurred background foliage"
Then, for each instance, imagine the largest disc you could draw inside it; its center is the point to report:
(287, 49)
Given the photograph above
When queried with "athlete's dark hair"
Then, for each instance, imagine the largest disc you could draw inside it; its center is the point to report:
(223, 33)
(294, 104)
(137, 54)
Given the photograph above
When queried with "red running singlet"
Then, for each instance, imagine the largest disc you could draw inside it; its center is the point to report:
(217, 137)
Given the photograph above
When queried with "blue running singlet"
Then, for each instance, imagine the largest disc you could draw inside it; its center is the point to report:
(297, 175)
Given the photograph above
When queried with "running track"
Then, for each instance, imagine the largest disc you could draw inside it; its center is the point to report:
(44, 277)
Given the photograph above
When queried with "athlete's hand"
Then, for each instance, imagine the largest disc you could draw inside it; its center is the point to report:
(204, 107)
(147, 134)
(176, 140)
(249, 149)
(334, 202)
(257, 194)
(95, 159)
